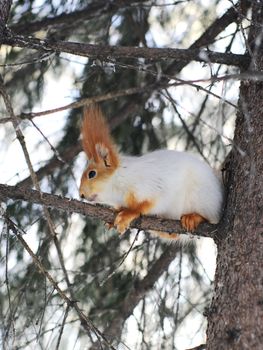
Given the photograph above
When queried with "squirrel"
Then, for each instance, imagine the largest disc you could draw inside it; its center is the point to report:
(167, 183)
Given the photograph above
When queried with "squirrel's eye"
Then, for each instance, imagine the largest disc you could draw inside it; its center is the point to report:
(92, 174)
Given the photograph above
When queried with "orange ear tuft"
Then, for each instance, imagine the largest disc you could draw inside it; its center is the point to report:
(96, 140)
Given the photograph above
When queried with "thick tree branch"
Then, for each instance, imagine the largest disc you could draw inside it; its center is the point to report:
(99, 211)
(112, 52)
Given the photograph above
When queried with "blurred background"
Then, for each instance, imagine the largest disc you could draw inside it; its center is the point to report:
(186, 108)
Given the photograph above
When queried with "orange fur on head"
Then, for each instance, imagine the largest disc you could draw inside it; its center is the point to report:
(96, 139)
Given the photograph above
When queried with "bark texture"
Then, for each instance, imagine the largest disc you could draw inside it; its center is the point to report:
(5, 6)
(104, 52)
(100, 212)
(235, 319)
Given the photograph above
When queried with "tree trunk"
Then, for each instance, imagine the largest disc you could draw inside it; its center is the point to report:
(235, 319)
(5, 6)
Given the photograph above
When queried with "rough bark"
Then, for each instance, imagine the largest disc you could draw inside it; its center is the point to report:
(98, 211)
(236, 315)
(5, 6)
(105, 53)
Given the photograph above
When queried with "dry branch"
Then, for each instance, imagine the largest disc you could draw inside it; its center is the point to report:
(105, 53)
(98, 211)
(88, 100)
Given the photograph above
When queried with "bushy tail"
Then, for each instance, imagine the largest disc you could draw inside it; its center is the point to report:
(96, 140)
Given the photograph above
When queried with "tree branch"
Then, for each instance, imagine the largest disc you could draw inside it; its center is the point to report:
(206, 38)
(112, 52)
(100, 212)
(88, 100)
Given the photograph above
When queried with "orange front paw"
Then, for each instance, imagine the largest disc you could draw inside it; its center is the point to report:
(190, 221)
(122, 221)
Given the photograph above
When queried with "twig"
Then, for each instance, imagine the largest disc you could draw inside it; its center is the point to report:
(121, 262)
(85, 322)
(138, 90)
(138, 292)
(17, 232)
(15, 121)
(62, 327)
(83, 102)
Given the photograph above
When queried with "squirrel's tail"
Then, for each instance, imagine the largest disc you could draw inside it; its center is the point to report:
(96, 140)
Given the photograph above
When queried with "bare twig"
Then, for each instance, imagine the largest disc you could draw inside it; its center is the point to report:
(256, 76)
(85, 322)
(139, 291)
(84, 102)
(62, 327)
(19, 134)
(112, 273)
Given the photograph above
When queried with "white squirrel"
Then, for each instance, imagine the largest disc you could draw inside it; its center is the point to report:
(170, 184)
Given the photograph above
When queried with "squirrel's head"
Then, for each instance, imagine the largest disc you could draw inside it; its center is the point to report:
(96, 176)
(101, 152)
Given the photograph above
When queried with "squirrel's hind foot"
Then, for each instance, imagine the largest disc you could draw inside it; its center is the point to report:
(191, 221)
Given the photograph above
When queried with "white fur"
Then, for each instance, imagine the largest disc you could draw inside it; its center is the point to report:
(177, 182)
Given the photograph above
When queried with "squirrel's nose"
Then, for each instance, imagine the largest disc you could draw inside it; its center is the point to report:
(82, 195)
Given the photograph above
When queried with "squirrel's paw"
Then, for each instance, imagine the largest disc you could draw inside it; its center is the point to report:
(190, 221)
(123, 220)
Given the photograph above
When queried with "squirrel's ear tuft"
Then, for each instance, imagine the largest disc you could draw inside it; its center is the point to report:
(103, 154)
(96, 139)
